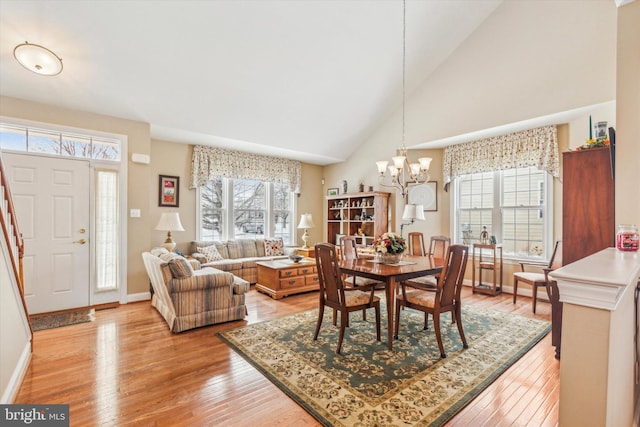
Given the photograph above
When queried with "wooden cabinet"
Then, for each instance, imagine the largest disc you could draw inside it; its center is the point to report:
(487, 258)
(588, 222)
(349, 213)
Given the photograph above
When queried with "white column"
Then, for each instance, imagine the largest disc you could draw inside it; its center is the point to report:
(597, 375)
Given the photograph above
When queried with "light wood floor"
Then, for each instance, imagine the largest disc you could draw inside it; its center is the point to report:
(126, 368)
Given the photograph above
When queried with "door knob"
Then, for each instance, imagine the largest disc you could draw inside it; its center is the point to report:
(82, 231)
(81, 241)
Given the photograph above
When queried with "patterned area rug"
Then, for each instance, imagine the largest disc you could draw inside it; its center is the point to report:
(368, 385)
(56, 320)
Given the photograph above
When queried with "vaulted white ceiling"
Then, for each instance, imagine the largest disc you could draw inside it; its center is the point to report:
(308, 80)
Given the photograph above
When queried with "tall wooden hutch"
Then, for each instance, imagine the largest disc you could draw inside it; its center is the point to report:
(588, 222)
(355, 213)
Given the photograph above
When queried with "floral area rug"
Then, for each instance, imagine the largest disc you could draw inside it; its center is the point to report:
(368, 385)
(40, 322)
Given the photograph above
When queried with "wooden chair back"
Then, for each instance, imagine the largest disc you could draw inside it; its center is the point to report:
(438, 246)
(556, 256)
(452, 276)
(329, 277)
(348, 247)
(416, 244)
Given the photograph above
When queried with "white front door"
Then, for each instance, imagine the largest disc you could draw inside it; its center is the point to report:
(51, 198)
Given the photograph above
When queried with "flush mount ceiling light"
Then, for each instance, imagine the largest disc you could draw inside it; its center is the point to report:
(38, 59)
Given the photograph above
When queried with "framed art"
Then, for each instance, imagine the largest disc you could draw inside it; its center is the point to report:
(169, 191)
(425, 195)
(332, 192)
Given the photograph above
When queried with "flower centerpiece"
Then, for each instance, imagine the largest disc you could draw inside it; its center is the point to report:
(389, 247)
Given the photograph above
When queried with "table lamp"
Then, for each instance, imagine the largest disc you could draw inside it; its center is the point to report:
(169, 221)
(306, 222)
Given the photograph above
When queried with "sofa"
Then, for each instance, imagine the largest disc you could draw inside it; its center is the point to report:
(188, 296)
(238, 256)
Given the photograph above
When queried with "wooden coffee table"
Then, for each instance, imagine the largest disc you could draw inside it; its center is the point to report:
(279, 278)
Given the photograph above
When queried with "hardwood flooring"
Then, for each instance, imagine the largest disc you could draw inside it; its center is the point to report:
(127, 369)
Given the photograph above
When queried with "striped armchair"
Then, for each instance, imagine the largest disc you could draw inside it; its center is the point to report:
(188, 298)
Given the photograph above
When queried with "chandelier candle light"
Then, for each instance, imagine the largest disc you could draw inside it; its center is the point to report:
(403, 173)
(306, 222)
(169, 221)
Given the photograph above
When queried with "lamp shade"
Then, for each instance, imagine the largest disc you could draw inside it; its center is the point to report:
(38, 59)
(412, 212)
(306, 221)
(169, 221)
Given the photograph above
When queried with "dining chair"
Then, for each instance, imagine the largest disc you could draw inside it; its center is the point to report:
(438, 248)
(446, 298)
(416, 244)
(537, 279)
(335, 295)
(349, 249)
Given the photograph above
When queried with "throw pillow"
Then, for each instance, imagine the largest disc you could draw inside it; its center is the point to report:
(211, 253)
(180, 268)
(158, 251)
(273, 247)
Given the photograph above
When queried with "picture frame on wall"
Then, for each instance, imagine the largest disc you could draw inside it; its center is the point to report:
(424, 194)
(332, 192)
(169, 191)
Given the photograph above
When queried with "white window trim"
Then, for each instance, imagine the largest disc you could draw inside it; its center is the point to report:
(228, 226)
(496, 218)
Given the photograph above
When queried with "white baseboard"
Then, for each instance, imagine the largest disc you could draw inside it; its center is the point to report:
(542, 293)
(142, 296)
(18, 374)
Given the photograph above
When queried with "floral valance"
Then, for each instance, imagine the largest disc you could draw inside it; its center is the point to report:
(212, 162)
(534, 147)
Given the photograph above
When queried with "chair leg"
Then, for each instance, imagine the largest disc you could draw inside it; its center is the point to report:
(458, 316)
(515, 290)
(377, 308)
(320, 316)
(397, 320)
(535, 297)
(426, 321)
(364, 314)
(436, 326)
(344, 318)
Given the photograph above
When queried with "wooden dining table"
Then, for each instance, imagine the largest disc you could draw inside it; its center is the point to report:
(391, 274)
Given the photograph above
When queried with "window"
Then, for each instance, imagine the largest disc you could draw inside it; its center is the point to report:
(107, 228)
(514, 207)
(244, 208)
(39, 141)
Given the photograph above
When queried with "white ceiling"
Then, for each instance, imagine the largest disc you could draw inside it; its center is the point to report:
(308, 80)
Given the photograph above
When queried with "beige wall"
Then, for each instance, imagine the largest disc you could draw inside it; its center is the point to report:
(628, 129)
(138, 141)
(167, 158)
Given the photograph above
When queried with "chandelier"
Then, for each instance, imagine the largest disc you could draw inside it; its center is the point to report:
(402, 173)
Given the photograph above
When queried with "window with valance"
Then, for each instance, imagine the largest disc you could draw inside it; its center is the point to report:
(213, 162)
(534, 147)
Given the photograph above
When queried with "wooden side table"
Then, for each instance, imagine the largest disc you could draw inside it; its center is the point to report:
(487, 257)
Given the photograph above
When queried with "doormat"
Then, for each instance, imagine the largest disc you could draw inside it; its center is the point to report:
(41, 322)
(369, 385)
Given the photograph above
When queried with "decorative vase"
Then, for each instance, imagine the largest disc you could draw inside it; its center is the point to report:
(389, 258)
(344, 186)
